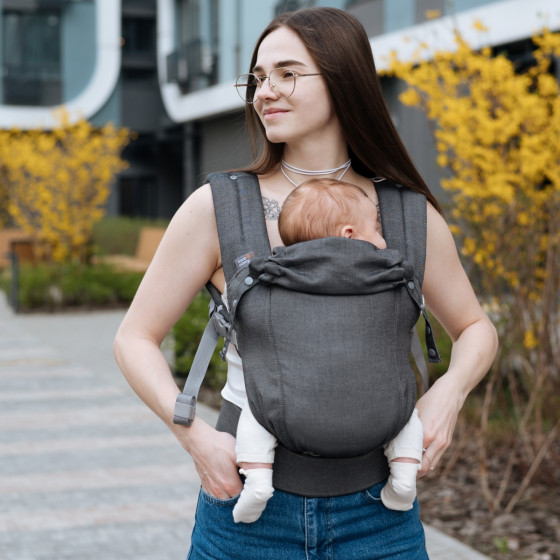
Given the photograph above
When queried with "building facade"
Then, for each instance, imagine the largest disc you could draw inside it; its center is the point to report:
(166, 68)
(200, 94)
(96, 58)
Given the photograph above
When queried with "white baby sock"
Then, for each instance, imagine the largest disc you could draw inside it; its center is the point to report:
(256, 492)
(400, 490)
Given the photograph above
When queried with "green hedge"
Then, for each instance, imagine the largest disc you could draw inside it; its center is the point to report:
(52, 287)
(118, 235)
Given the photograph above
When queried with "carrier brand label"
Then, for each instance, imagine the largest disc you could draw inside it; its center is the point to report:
(244, 260)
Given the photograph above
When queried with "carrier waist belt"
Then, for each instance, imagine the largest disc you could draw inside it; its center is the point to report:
(315, 477)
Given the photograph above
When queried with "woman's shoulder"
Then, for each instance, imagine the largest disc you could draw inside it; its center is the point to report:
(195, 218)
(198, 203)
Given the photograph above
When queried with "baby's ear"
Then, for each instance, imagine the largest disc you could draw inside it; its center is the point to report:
(347, 231)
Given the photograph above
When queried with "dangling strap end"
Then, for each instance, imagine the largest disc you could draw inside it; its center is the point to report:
(433, 354)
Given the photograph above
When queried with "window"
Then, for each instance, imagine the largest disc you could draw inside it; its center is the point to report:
(138, 197)
(32, 61)
(194, 65)
(139, 35)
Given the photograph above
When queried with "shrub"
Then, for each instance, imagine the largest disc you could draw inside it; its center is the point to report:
(496, 128)
(62, 286)
(118, 235)
(56, 183)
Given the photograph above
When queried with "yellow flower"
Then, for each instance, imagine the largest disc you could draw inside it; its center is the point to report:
(530, 341)
(410, 97)
(57, 182)
(432, 14)
(479, 26)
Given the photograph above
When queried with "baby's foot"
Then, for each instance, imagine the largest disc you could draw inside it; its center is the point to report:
(400, 491)
(256, 492)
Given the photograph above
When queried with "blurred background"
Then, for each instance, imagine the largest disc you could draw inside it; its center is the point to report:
(112, 112)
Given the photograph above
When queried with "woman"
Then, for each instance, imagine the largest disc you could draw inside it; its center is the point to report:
(332, 112)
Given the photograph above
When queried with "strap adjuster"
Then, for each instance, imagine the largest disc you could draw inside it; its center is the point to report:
(185, 407)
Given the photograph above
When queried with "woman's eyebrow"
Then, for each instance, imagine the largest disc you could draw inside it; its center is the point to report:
(281, 64)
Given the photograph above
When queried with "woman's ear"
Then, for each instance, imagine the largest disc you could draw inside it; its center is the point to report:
(347, 231)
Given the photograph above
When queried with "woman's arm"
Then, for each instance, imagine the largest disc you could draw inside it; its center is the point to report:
(188, 256)
(450, 297)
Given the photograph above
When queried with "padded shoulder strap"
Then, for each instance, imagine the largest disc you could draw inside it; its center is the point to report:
(243, 235)
(403, 219)
(240, 219)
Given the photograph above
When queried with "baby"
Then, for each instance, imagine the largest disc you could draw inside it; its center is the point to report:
(324, 208)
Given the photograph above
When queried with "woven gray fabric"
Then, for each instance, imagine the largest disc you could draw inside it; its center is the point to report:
(324, 330)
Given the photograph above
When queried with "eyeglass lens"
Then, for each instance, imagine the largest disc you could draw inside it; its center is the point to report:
(281, 81)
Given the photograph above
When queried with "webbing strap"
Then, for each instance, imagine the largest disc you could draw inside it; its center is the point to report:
(185, 404)
(418, 355)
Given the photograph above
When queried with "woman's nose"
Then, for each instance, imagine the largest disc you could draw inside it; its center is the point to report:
(266, 91)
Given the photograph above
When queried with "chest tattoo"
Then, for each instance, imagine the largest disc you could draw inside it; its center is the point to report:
(271, 209)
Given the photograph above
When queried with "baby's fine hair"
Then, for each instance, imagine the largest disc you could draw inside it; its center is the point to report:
(319, 208)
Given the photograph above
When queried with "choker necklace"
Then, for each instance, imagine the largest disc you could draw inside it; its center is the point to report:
(284, 165)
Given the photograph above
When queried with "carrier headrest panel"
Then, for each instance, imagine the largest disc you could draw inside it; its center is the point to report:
(333, 266)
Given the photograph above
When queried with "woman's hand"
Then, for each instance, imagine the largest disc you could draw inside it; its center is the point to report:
(438, 410)
(213, 454)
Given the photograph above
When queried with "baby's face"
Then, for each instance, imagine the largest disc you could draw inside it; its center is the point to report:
(367, 228)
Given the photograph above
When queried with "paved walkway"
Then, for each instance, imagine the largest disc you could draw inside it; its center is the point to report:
(86, 470)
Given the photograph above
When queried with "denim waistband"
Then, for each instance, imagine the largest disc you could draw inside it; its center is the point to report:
(317, 477)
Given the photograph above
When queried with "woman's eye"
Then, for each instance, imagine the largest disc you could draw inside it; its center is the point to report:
(288, 74)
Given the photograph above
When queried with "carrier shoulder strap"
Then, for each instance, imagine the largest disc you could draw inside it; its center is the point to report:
(403, 219)
(240, 219)
(243, 235)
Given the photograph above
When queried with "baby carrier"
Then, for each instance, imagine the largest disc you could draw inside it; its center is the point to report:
(324, 330)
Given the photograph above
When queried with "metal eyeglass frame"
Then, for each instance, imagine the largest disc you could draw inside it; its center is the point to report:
(273, 86)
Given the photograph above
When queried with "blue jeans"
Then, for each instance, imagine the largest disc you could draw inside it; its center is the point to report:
(352, 527)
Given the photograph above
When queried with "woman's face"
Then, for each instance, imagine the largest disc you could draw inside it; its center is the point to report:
(307, 114)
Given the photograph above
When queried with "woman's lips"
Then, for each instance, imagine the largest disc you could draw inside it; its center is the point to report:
(270, 114)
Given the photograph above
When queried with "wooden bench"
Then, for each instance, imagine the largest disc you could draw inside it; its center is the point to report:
(148, 242)
(15, 240)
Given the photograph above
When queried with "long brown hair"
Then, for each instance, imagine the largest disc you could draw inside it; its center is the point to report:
(340, 46)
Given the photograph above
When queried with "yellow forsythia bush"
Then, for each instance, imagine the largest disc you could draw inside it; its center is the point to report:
(497, 131)
(497, 134)
(57, 182)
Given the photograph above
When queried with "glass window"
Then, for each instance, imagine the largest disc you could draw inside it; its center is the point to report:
(138, 197)
(195, 63)
(139, 35)
(31, 58)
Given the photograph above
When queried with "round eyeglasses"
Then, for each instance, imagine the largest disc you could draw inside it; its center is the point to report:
(281, 81)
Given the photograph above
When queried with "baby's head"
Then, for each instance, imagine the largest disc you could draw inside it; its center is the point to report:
(329, 208)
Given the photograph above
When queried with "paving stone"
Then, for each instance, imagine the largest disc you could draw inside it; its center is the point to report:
(86, 470)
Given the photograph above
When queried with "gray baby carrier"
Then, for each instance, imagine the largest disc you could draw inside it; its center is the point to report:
(324, 330)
